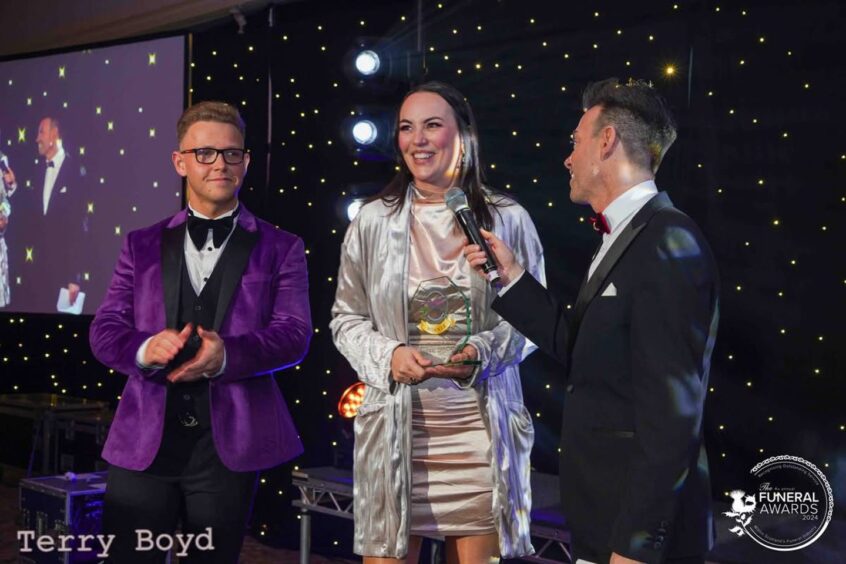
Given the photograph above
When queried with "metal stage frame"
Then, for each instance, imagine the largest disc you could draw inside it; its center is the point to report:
(329, 491)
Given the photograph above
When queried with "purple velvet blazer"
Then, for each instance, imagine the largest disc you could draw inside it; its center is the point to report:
(263, 318)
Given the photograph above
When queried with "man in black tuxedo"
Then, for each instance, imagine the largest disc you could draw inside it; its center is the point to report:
(636, 347)
(51, 226)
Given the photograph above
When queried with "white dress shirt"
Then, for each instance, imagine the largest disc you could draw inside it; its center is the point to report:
(619, 214)
(50, 174)
(200, 264)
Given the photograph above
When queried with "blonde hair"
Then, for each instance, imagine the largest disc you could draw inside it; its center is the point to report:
(209, 111)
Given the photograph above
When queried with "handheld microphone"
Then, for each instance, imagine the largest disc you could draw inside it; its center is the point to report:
(457, 202)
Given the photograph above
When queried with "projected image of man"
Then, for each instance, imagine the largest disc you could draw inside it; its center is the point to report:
(51, 226)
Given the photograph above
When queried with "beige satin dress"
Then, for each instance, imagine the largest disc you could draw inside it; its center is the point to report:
(452, 480)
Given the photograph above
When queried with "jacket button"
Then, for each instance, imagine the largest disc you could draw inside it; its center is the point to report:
(569, 388)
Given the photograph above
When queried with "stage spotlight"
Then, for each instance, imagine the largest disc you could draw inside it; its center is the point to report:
(355, 195)
(351, 400)
(365, 132)
(367, 62)
(382, 66)
(353, 207)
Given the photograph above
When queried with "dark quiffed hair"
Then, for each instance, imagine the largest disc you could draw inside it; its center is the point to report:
(209, 111)
(640, 116)
(473, 174)
(54, 124)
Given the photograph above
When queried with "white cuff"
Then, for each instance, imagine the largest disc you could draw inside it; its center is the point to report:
(222, 367)
(501, 291)
(139, 357)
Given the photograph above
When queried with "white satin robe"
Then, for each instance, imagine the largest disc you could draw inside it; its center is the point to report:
(369, 322)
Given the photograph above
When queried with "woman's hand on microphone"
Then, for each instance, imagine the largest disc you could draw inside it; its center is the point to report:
(506, 264)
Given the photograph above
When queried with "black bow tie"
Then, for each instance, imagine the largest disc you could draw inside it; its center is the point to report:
(198, 229)
(50, 164)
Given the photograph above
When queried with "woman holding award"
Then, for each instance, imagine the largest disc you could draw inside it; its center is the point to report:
(442, 439)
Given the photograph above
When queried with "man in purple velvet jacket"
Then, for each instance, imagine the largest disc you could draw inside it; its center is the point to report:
(201, 310)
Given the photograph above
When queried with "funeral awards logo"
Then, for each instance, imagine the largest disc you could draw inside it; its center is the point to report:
(790, 508)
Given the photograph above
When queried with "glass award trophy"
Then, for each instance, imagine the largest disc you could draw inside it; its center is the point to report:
(439, 320)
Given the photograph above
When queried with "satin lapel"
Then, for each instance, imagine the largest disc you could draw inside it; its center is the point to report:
(398, 245)
(585, 278)
(606, 266)
(173, 255)
(576, 318)
(60, 204)
(617, 250)
(237, 254)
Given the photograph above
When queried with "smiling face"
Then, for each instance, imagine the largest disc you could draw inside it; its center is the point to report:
(47, 138)
(583, 162)
(429, 140)
(212, 188)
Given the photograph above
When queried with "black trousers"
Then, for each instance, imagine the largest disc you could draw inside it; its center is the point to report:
(188, 484)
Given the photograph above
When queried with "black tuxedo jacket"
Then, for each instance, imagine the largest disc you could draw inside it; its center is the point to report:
(636, 350)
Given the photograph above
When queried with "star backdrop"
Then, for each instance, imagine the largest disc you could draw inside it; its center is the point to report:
(117, 108)
(758, 164)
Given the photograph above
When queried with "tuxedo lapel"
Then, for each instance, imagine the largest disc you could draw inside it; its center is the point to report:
(576, 318)
(234, 261)
(585, 278)
(173, 255)
(57, 199)
(589, 290)
(617, 250)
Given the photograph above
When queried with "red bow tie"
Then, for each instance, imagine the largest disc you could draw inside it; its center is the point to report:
(600, 223)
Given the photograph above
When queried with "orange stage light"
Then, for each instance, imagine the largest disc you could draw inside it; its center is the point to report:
(351, 400)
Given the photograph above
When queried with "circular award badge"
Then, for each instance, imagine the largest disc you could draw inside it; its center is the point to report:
(791, 508)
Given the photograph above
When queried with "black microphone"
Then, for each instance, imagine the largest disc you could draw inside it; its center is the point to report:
(456, 200)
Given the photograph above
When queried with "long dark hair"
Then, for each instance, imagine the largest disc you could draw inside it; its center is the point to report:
(473, 175)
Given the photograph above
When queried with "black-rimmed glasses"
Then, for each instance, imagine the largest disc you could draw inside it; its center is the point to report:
(208, 155)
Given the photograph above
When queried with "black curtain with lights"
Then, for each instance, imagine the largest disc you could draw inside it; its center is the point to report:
(759, 164)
